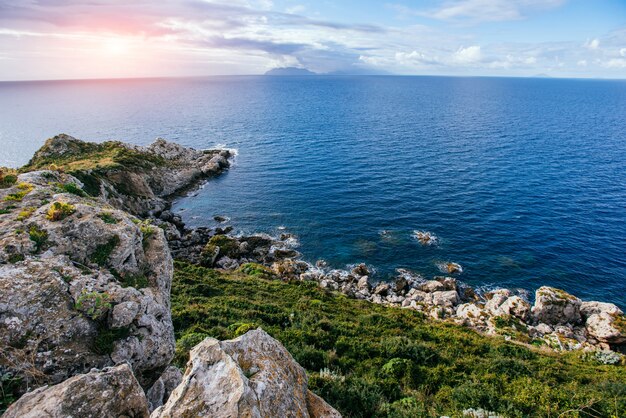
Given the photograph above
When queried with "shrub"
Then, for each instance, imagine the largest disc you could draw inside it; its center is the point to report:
(9, 385)
(72, 188)
(93, 304)
(59, 211)
(24, 189)
(104, 343)
(101, 254)
(38, 236)
(228, 246)
(7, 178)
(108, 218)
(25, 213)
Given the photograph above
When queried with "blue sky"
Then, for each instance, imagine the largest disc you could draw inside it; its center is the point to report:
(61, 39)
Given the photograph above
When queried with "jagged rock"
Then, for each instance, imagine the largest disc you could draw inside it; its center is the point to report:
(432, 286)
(382, 289)
(360, 270)
(158, 394)
(501, 303)
(447, 298)
(250, 376)
(400, 285)
(112, 392)
(555, 307)
(363, 284)
(605, 327)
(590, 308)
(93, 286)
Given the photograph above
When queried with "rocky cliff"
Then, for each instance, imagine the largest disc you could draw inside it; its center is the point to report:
(85, 283)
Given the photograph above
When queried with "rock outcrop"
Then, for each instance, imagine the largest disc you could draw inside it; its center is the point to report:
(137, 179)
(82, 284)
(250, 376)
(112, 392)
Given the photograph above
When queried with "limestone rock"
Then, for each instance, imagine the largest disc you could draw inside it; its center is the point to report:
(555, 307)
(112, 392)
(164, 386)
(250, 376)
(91, 285)
(605, 327)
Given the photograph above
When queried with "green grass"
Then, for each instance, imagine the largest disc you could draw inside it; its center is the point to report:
(72, 188)
(368, 360)
(86, 156)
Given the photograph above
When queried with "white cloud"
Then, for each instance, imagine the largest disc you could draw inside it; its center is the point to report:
(622, 52)
(483, 10)
(468, 55)
(615, 63)
(592, 44)
(582, 63)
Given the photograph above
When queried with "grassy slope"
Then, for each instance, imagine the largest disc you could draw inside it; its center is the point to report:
(381, 361)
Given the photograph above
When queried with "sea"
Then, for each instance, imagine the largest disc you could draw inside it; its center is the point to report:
(522, 181)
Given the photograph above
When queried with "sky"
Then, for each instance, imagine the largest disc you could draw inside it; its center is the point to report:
(72, 39)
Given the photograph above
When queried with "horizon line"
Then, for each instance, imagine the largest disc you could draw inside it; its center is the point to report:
(538, 76)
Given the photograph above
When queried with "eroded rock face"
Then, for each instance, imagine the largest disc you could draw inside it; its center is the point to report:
(164, 386)
(556, 307)
(112, 392)
(250, 376)
(82, 285)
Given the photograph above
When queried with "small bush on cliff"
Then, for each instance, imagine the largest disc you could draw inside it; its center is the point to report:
(38, 236)
(101, 254)
(93, 304)
(228, 246)
(59, 211)
(72, 188)
(8, 177)
(369, 360)
(23, 190)
(108, 218)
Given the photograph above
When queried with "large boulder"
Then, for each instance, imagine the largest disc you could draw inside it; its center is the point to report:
(82, 285)
(555, 307)
(250, 376)
(112, 392)
(500, 302)
(604, 322)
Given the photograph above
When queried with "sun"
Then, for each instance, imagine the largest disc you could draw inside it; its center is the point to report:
(117, 46)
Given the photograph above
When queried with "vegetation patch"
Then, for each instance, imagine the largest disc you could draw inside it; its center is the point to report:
(228, 246)
(93, 304)
(101, 254)
(8, 177)
(9, 385)
(88, 156)
(38, 236)
(23, 190)
(257, 270)
(137, 280)
(369, 360)
(72, 188)
(104, 343)
(108, 218)
(25, 213)
(59, 211)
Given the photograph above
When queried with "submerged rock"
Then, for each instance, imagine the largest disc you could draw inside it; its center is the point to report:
(112, 392)
(250, 376)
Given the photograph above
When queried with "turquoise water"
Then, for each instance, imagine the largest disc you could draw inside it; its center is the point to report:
(523, 181)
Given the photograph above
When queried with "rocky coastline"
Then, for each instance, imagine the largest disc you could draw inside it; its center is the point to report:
(87, 241)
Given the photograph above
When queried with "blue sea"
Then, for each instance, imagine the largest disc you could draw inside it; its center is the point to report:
(522, 181)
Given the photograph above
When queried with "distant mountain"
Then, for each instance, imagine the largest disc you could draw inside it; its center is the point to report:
(290, 71)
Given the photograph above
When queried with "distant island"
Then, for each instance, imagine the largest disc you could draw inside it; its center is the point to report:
(289, 71)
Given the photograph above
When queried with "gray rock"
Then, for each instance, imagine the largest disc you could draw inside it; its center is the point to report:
(158, 394)
(250, 376)
(112, 392)
(556, 307)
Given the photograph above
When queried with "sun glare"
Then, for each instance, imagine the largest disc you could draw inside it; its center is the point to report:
(117, 46)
